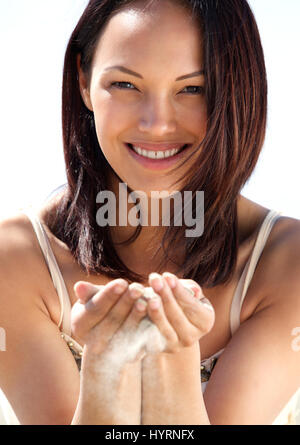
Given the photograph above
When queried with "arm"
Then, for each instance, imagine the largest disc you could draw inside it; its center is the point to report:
(38, 374)
(259, 370)
(259, 363)
(41, 381)
(171, 380)
(172, 389)
(110, 390)
(105, 399)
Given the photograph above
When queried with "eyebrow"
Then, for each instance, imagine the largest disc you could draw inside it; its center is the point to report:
(133, 73)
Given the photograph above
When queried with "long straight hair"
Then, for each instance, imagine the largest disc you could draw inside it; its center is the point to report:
(236, 98)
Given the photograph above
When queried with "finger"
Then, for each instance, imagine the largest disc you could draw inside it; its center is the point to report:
(84, 290)
(103, 300)
(172, 309)
(186, 332)
(137, 313)
(118, 314)
(187, 283)
(157, 315)
(189, 290)
(200, 312)
(86, 316)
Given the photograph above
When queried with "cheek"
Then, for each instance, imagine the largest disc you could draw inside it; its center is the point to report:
(196, 120)
(110, 120)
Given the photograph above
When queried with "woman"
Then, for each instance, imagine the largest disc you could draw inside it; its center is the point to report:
(183, 83)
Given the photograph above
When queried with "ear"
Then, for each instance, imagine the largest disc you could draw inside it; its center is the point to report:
(84, 91)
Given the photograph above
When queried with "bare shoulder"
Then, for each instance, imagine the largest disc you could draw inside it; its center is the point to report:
(37, 366)
(18, 249)
(284, 249)
(23, 271)
(281, 263)
(15, 228)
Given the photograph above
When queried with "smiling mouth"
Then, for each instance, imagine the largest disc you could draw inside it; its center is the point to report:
(157, 155)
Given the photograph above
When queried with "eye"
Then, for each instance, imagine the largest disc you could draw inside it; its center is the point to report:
(118, 85)
(199, 89)
(122, 86)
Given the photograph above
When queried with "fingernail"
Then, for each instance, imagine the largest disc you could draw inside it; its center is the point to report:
(141, 305)
(120, 287)
(136, 290)
(196, 291)
(157, 281)
(84, 290)
(171, 279)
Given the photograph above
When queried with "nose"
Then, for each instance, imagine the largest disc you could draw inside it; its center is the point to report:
(158, 118)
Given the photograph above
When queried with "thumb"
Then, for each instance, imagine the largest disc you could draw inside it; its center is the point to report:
(84, 290)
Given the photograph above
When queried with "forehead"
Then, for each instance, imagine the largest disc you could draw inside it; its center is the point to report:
(163, 31)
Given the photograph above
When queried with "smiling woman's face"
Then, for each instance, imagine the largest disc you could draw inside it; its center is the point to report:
(153, 106)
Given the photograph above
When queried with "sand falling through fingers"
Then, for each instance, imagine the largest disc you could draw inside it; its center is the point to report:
(127, 348)
(130, 344)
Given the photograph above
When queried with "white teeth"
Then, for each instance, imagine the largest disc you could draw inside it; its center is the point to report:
(156, 154)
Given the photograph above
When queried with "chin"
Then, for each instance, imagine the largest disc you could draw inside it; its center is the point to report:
(154, 192)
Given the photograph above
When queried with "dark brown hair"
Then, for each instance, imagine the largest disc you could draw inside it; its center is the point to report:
(236, 97)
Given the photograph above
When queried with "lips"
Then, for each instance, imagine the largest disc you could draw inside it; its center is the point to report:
(157, 164)
(157, 147)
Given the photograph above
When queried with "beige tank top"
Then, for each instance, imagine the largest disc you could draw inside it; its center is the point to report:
(285, 417)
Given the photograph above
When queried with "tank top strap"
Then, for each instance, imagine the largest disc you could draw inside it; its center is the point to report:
(57, 278)
(249, 269)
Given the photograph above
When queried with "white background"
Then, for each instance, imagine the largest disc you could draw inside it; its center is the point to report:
(33, 39)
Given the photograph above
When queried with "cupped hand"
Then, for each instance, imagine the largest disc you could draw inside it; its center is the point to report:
(182, 318)
(106, 313)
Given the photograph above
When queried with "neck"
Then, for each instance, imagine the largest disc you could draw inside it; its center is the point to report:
(139, 255)
(142, 254)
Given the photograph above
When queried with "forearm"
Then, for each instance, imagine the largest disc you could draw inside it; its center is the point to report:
(108, 396)
(171, 389)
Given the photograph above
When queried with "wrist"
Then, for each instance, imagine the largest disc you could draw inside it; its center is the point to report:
(109, 394)
(171, 388)
(164, 359)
